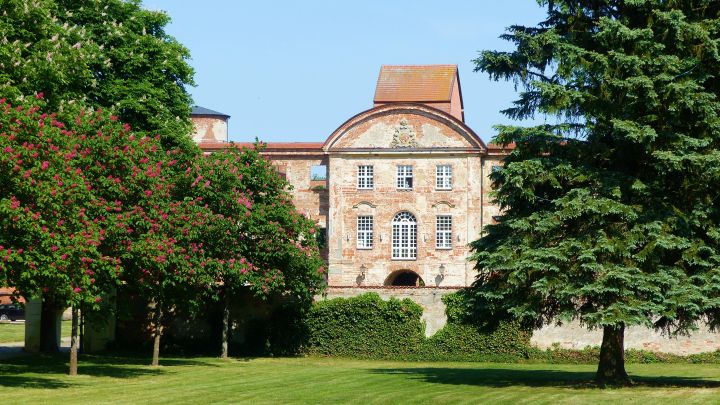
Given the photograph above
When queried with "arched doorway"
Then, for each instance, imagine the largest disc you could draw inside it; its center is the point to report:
(404, 278)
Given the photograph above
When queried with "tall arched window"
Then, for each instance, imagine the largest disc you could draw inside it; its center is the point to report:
(404, 236)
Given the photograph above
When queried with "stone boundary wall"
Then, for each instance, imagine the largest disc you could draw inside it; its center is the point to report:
(568, 336)
(429, 298)
(572, 335)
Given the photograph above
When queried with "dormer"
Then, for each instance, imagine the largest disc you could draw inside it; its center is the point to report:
(436, 86)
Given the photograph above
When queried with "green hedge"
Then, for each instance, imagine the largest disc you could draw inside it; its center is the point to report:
(462, 342)
(364, 326)
(368, 327)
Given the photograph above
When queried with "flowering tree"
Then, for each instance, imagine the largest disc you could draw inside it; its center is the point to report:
(257, 238)
(85, 205)
(52, 224)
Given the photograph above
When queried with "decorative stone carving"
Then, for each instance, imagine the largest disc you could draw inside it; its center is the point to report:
(404, 136)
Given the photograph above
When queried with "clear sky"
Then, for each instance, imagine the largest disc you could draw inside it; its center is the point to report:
(296, 70)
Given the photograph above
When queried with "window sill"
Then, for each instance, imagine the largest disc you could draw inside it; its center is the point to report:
(443, 189)
(443, 248)
(364, 248)
(404, 259)
(364, 189)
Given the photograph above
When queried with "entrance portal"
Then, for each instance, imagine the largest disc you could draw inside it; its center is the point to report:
(404, 278)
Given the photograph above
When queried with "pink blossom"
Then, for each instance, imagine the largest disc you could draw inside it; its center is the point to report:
(45, 164)
(98, 299)
(77, 290)
(148, 193)
(54, 248)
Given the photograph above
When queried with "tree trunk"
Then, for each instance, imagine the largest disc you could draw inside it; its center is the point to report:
(226, 326)
(81, 332)
(74, 343)
(611, 369)
(48, 327)
(157, 334)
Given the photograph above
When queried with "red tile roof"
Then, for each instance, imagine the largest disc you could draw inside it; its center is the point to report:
(415, 83)
(270, 145)
(494, 147)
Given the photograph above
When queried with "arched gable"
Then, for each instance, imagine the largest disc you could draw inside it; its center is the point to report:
(403, 126)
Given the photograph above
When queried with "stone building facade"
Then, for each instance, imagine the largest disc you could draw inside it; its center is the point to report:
(400, 189)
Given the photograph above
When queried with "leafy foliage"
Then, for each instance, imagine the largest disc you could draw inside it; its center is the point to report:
(368, 327)
(53, 225)
(112, 54)
(608, 215)
(258, 236)
(365, 326)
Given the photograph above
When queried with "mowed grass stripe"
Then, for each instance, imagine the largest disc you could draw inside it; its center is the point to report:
(331, 381)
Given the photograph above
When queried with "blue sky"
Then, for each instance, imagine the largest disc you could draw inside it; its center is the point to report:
(295, 71)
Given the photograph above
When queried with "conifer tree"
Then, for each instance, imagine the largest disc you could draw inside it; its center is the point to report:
(610, 214)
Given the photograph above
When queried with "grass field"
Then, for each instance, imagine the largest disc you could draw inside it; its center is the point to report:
(41, 379)
(15, 331)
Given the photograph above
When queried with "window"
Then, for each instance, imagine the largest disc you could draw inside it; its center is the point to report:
(443, 232)
(404, 177)
(365, 232)
(365, 179)
(404, 236)
(318, 173)
(443, 177)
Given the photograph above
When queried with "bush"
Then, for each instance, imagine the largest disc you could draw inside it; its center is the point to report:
(462, 342)
(368, 327)
(365, 327)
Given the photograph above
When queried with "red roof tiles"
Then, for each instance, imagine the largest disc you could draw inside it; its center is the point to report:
(415, 83)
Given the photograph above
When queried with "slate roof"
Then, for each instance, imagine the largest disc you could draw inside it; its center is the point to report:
(197, 110)
(415, 83)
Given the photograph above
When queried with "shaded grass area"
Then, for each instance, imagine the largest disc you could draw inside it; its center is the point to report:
(116, 379)
(11, 332)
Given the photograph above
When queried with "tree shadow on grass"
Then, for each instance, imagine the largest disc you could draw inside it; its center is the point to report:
(500, 378)
(50, 370)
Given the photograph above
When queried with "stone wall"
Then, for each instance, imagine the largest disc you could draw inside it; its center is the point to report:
(573, 336)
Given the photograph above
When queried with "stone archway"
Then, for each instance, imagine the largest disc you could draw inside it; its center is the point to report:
(404, 278)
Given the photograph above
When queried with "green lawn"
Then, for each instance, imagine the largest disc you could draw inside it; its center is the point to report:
(15, 331)
(38, 379)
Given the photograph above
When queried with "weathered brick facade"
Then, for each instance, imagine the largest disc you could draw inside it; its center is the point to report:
(411, 125)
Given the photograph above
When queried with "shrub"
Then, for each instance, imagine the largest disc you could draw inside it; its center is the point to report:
(365, 326)
(463, 342)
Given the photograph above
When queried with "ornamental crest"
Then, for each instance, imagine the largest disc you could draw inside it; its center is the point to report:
(404, 136)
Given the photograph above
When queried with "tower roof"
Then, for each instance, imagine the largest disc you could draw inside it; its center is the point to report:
(197, 110)
(415, 83)
(435, 85)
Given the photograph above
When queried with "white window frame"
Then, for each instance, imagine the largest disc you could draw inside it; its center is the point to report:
(404, 177)
(443, 177)
(365, 177)
(404, 236)
(365, 224)
(443, 232)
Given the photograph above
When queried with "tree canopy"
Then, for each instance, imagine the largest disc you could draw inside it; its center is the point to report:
(609, 215)
(112, 54)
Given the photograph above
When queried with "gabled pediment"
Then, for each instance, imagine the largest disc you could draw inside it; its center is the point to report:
(400, 127)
